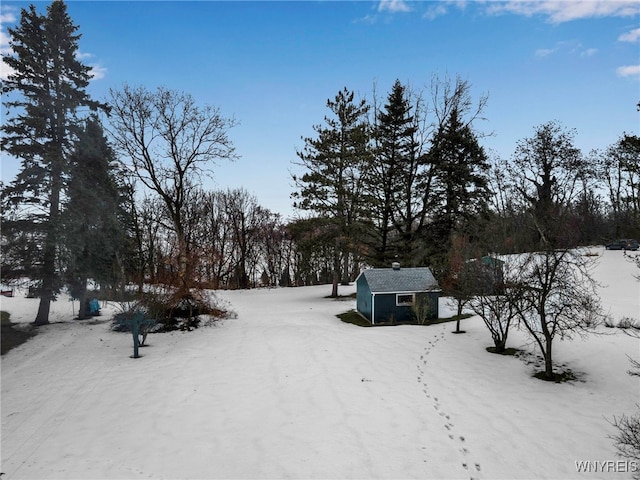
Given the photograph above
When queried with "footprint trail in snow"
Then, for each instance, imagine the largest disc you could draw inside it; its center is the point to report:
(472, 467)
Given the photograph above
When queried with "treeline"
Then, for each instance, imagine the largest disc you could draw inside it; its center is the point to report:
(231, 242)
(404, 178)
(407, 179)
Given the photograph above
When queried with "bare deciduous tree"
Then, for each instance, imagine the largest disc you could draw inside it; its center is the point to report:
(245, 217)
(497, 302)
(498, 314)
(558, 298)
(460, 280)
(619, 169)
(544, 172)
(171, 143)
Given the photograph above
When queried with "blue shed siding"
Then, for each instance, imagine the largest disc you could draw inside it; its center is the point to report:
(387, 310)
(363, 298)
(432, 298)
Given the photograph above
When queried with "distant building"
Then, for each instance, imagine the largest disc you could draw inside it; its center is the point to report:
(488, 275)
(390, 295)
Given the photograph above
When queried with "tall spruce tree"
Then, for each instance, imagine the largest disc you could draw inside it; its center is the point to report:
(43, 92)
(332, 183)
(94, 217)
(460, 179)
(398, 179)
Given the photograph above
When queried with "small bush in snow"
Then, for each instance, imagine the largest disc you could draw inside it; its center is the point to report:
(627, 440)
(175, 310)
(627, 322)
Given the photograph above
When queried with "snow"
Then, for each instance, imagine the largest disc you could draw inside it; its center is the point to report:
(286, 390)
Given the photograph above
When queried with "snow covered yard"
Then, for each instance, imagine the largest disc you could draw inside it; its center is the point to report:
(286, 390)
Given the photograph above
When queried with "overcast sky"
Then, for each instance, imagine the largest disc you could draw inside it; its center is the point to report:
(273, 65)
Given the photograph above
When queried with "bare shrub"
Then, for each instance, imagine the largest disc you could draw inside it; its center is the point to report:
(627, 440)
(627, 322)
(609, 322)
(422, 309)
(497, 312)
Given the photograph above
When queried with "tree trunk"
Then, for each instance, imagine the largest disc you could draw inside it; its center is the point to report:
(51, 241)
(458, 315)
(83, 310)
(548, 363)
(345, 268)
(500, 345)
(334, 286)
(336, 270)
(336, 276)
(42, 317)
(46, 288)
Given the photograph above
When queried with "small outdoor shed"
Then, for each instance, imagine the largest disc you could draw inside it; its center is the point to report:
(488, 274)
(392, 295)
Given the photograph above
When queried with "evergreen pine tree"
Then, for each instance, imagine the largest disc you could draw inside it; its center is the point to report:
(332, 185)
(49, 86)
(393, 182)
(94, 216)
(460, 179)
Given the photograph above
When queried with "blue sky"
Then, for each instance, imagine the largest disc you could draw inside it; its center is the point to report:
(273, 65)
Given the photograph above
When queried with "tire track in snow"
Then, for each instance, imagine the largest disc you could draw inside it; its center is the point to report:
(448, 423)
(30, 425)
(307, 409)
